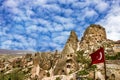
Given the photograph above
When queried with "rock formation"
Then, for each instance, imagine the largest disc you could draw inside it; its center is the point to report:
(116, 46)
(71, 44)
(64, 65)
(93, 38)
(68, 60)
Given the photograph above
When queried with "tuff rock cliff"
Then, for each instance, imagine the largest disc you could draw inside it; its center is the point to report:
(65, 65)
(95, 37)
(71, 44)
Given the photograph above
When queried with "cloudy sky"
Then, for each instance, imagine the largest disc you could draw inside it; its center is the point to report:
(44, 25)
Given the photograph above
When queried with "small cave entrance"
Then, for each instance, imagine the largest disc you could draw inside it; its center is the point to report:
(69, 61)
(68, 66)
(112, 77)
(63, 72)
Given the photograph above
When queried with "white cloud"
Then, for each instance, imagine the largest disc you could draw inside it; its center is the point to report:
(62, 20)
(47, 23)
(69, 26)
(11, 3)
(32, 28)
(67, 12)
(44, 44)
(102, 6)
(6, 44)
(50, 28)
(21, 38)
(67, 33)
(29, 12)
(56, 46)
(60, 39)
(52, 7)
(114, 36)
(31, 42)
(58, 27)
(45, 37)
(43, 29)
(89, 12)
(42, 2)
(16, 11)
(79, 5)
(112, 23)
(44, 22)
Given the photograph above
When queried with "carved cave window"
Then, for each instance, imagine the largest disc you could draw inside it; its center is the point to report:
(68, 61)
(70, 55)
(63, 71)
(67, 55)
(68, 66)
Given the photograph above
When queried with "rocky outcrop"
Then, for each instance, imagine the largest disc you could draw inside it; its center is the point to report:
(65, 65)
(113, 69)
(68, 60)
(93, 38)
(46, 60)
(71, 44)
(42, 62)
(116, 46)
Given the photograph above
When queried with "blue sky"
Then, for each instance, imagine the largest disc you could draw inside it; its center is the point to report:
(44, 25)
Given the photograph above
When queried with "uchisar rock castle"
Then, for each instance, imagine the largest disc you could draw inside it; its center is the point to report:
(72, 63)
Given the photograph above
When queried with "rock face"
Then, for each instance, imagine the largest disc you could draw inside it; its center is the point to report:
(113, 69)
(67, 64)
(71, 44)
(116, 46)
(64, 65)
(46, 61)
(94, 37)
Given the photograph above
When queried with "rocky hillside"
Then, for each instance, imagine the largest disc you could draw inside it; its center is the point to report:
(93, 38)
(14, 52)
(70, 64)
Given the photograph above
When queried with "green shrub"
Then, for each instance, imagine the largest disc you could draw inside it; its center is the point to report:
(14, 75)
(58, 78)
(115, 57)
(82, 72)
(81, 58)
(70, 72)
(118, 55)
